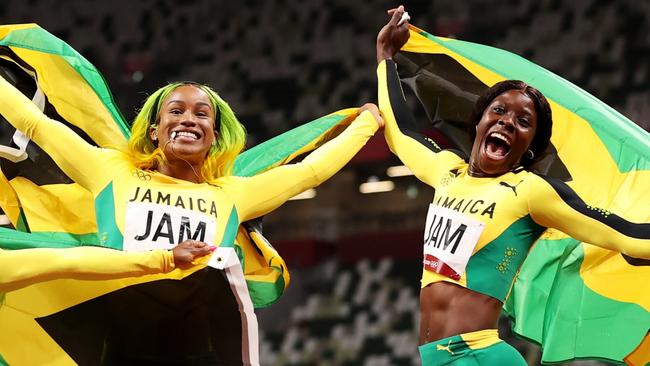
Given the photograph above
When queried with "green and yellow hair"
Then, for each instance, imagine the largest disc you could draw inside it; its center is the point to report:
(145, 154)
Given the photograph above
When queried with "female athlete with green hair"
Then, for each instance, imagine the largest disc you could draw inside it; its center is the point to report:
(223, 151)
(175, 183)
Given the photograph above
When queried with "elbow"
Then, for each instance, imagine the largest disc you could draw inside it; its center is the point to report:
(312, 173)
(392, 148)
(317, 178)
(634, 249)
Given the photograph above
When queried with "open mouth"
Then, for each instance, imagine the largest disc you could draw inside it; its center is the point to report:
(185, 135)
(497, 145)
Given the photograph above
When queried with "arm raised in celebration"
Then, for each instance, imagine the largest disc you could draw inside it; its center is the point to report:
(416, 151)
(78, 159)
(260, 194)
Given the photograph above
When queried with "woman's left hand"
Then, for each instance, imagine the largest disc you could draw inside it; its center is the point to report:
(393, 35)
(187, 251)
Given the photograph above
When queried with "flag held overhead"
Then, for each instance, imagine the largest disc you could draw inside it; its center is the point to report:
(574, 299)
(44, 208)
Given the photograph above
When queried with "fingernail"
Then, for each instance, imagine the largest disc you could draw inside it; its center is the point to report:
(212, 248)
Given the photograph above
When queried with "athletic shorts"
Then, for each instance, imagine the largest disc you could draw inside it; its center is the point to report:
(480, 348)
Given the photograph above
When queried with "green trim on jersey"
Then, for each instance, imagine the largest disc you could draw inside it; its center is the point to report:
(454, 351)
(228, 240)
(108, 233)
(492, 269)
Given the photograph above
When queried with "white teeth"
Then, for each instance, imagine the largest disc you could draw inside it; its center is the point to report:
(184, 134)
(500, 137)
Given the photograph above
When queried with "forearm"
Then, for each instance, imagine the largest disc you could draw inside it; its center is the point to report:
(56, 139)
(24, 267)
(561, 208)
(417, 155)
(335, 154)
(596, 232)
(264, 192)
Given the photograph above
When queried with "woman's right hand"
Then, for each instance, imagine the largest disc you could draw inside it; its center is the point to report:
(392, 36)
(372, 108)
(189, 250)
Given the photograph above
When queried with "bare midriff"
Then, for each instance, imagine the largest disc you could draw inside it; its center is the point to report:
(447, 309)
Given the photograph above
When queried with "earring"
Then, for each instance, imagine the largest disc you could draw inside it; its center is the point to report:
(530, 154)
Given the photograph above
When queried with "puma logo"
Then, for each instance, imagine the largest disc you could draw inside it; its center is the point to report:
(445, 348)
(514, 188)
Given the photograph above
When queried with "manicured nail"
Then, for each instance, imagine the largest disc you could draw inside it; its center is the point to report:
(212, 248)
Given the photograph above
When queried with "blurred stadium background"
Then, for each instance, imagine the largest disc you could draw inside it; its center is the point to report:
(354, 257)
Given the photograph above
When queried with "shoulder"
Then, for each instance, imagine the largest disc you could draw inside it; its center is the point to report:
(541, 179)
(118, 158)
(539, 185)
(452, 157)
(229, 182)
(115, 154)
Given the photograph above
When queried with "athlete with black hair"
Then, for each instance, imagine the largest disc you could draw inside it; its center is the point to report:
(487, 211)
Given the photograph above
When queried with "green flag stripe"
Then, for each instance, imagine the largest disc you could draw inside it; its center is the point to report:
(265, 294)
(22, 224)
(275, 150)
(561, 319)
(12, 239)
(38, 39)
(612, 128)
(109, 234)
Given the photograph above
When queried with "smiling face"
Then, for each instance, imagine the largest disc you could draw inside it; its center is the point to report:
(186, 124)
(504, 133)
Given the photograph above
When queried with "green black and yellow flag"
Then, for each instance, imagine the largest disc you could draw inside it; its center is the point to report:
(574, 299)
(61, 322)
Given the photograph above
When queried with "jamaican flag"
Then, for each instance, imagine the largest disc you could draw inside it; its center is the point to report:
(574, 299)
(61, 321)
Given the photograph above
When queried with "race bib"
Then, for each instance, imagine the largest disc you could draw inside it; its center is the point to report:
(151, 226)
(449, 240)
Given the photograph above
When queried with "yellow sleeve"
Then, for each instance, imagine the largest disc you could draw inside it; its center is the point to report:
(413, 153)
(61, 143)
(554, 204)
(260, 194)
(24, 267)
